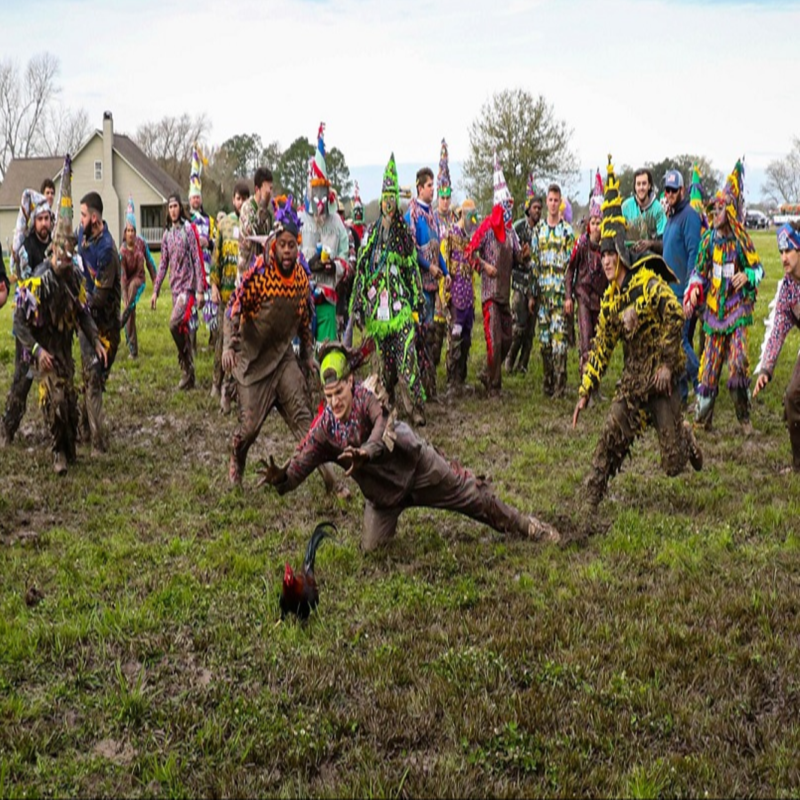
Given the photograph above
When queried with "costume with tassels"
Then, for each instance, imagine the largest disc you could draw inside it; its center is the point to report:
(29, 254)
(387, 293)
(785, 315)
(264, 315)
(180, 254)
(394, 468)
(206, 231)
(325, 242)
(551, 248)
(585, 280)
(50, 308)
(444, 219)
(135, 259)
(495, 244)
(726, 252)
(640, 308)
(461, 309)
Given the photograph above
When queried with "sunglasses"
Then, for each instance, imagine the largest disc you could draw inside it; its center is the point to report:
(670, 190)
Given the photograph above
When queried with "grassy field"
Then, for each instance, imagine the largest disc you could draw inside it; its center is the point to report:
(658, 658)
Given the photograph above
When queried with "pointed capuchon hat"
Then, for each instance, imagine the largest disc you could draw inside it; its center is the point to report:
(391, 184)
(733, 193)
(443, 184)
(195, 181)
(696, 196)
(358, 206)
(501, 192)
(130, 213)
(319, 169)
(64, 237)
(613, 225)
(596, 197)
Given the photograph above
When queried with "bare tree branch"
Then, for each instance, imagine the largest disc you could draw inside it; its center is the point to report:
(783, 177)
(169, 142)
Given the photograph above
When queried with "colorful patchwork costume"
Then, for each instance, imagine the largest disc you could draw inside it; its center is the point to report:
(729, 312)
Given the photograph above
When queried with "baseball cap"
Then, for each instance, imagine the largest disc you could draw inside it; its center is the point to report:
(673, 179)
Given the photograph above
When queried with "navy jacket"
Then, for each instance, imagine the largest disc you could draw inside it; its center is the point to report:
(681, 241)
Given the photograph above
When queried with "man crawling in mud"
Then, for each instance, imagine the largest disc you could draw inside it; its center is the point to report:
(640, 308)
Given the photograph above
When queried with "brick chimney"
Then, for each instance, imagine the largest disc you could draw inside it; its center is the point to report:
(111, 207)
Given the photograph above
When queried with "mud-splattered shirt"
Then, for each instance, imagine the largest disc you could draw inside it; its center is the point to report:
(645, 314)
(585, 277)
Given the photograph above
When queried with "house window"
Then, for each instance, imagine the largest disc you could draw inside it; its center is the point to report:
(98, 170)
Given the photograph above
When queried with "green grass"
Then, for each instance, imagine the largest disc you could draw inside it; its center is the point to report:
(658, 658)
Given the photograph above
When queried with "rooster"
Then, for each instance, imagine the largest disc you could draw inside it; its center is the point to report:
(300, 593)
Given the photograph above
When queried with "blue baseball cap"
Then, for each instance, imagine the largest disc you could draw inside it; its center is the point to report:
(673, 179)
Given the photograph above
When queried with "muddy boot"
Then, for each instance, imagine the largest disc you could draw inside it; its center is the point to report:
(695, 453)
(548, 381)
(187, 377)
(559, 375)
(60, 463)
(511, 358)
(541, 532)
(704, 411)
(235, 469)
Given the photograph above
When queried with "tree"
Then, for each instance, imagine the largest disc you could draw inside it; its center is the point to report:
(243, 153)
(291, 175)
(169, 142)
(64, 130)
(270, 155)
(711, 178)
(783, 177)
(338, 172)
(24, 101)
(526, 136)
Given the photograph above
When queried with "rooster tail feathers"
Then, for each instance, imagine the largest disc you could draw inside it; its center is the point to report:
(320, 533)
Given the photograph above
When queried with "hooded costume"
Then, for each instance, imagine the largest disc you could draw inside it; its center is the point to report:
(729, 311)
(585, 280)
(264, 315)
(50, 307)
(495, 242)
(387, 293)
(645, 314)
(326, 245)
(785, 315)
(206, 231)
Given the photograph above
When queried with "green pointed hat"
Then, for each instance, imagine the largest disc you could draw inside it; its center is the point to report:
(696, 196)
(391, 184)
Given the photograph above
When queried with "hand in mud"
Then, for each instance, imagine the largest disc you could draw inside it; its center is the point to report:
(352, 458)
(271, 473)
(663, 380)
(581, 404)
(763, 380)
(229, 359)
(739, 280)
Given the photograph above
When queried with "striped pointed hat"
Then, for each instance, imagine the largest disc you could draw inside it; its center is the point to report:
(613, 225)
(195, 182)
(696, 197)
(443, 184)
(501, 192)
(130, 213)
(596, 198)
(319, 170)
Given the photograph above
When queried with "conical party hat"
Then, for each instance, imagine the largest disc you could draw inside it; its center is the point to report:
(501, 192)
(391, 184)
(195, 183)
(696, 196)
(443, 179)
(130, 213)
(64, 237)
(733, 193)
(613, 224)
(596, 199)
(358, 206)
(319, 170)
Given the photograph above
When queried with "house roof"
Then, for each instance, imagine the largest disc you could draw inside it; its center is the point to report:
(158, 178)
(27, 173)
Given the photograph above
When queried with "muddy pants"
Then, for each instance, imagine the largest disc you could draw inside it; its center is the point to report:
(524, 329)
(497, 326)
(222, 380)
(791, 405)
(439, 483)
(459, 341)
(553, 340)
(128, 293)
(719, 348)
(426, 344)
(625, 423)
(95, 375)
(398, 351)
(284, 389)
(587, 325)
(18, 393)
(59, 403)
(180, 326)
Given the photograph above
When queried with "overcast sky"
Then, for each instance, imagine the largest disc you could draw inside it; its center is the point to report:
(641, 79)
